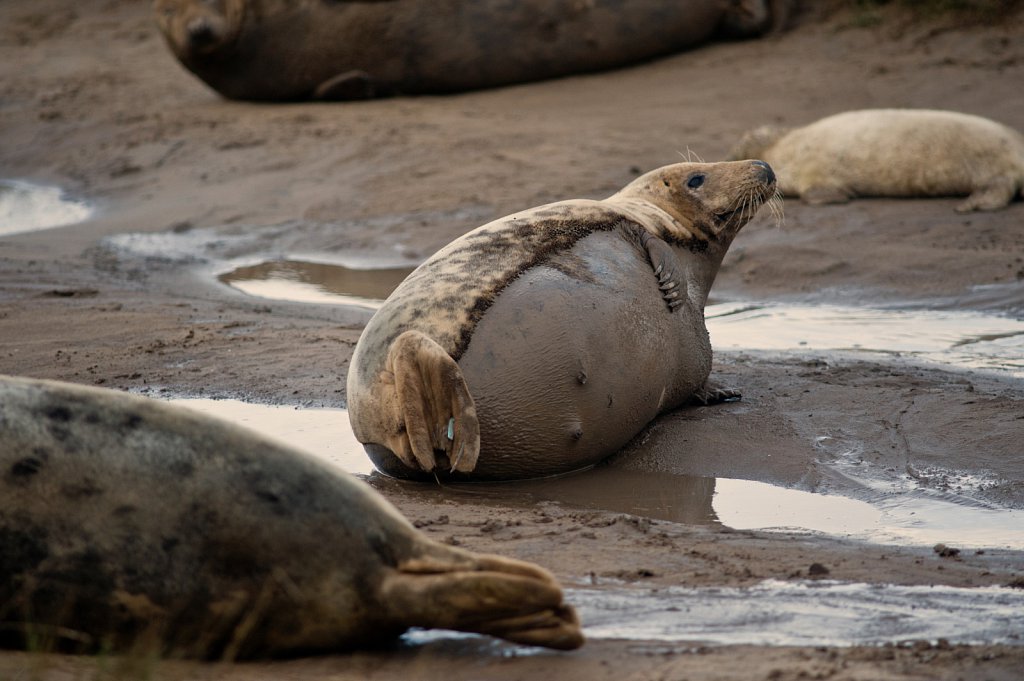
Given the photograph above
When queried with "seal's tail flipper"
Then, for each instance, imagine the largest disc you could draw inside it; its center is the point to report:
(993, 195)
(490, 595)
(434, 404)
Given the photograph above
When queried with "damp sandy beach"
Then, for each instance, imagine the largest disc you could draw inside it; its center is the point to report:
(859, 514)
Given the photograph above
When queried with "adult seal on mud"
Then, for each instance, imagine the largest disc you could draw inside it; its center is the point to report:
(130, 523)
(894, 153)
(542, 342)
(352, 49)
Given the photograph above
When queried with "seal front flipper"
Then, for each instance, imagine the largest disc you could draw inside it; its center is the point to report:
(483, 594)
(433, 403)
(712, 393)
(663, 260)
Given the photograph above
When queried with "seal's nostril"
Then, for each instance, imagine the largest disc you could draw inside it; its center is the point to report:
(767, 174)
(200, 33)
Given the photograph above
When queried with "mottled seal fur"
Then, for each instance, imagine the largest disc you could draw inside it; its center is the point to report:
(130, 523)
(349, 49)
(542, 342)
(896, 153)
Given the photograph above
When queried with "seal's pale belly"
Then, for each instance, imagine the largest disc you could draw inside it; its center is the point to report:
(574, 358)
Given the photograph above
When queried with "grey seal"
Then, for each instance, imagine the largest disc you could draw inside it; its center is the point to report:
(544, 341)
(128, 523)
(353, 49)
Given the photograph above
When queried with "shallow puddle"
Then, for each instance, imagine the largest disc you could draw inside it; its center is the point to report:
(909, 518)
(953, 338)
(312, 282)
(776, 613)
(323, 432)
(26, 207)
(824, 613)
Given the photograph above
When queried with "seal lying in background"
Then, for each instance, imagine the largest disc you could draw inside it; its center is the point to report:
(894, 152)
(544, 341)
(351, 49)
(126, 522)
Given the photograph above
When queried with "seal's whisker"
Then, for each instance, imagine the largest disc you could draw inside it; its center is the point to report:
(690, 155)
(776, 206)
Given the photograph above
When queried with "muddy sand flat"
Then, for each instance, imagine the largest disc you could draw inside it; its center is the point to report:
(186, 186)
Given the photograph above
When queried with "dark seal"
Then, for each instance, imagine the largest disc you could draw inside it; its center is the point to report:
(544, 341)
(130, 523)
(352, 49)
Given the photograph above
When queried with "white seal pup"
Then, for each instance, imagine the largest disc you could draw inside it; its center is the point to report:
(894, 153)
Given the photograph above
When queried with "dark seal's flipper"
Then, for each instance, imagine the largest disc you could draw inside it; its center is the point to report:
(434, 405)
(488, 595)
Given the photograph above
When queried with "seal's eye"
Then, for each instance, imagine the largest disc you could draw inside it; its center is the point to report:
(695, 181)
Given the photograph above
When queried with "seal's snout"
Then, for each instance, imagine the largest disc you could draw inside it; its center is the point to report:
(201, 33)
(767, 175)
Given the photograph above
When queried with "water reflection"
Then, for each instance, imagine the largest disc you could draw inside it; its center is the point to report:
(957, 338)
(312, 282)
(824, 613)
(677, 498)
(325, 433)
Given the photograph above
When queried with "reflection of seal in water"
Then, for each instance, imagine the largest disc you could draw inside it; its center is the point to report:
(545, 340)
(894, 152)
(346, 49)
(127, 522)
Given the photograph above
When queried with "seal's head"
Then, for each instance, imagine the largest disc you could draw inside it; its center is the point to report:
(747, 18)
(709, 202)
(755, 143)
(199, 27)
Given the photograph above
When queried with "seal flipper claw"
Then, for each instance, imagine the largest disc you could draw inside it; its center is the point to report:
(662, 259)
(430, 388)
(712, 393)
